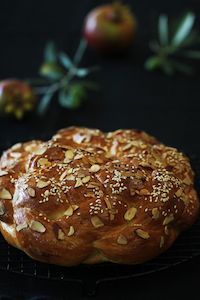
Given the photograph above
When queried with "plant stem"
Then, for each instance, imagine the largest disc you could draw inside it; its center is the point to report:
(80, 51)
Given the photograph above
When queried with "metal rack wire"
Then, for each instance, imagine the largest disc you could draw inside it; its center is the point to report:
(186, 247)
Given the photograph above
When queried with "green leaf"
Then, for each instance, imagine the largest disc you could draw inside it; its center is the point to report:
(163, 30)
(65, 60)
(156, 62)
(183, 29)
(191, 54)
(50, 53)
(72, 97)
(67, 100)
(64, 98)
(152, 63)
(82, 72)
(44, 103)
(78, 90)
(51, 71)
(80, 51)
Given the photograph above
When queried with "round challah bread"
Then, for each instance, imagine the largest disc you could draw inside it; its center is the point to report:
(87, 197)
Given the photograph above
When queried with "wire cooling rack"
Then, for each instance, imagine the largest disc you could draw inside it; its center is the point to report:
(186, 247)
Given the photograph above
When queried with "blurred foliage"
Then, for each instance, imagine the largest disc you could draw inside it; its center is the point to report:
(175, 45)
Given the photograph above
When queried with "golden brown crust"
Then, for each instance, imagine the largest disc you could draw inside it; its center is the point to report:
(88, 197)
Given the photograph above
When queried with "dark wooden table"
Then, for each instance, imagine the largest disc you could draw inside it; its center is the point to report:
(130, 97)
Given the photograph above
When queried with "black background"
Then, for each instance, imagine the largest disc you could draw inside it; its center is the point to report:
(130, 97)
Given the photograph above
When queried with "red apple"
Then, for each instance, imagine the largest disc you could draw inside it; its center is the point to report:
(16, 97)
(110, 28)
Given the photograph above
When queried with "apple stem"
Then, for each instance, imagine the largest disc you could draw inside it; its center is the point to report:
(116, 15)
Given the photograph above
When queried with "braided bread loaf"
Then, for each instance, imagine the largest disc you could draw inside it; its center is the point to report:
(88, 197)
